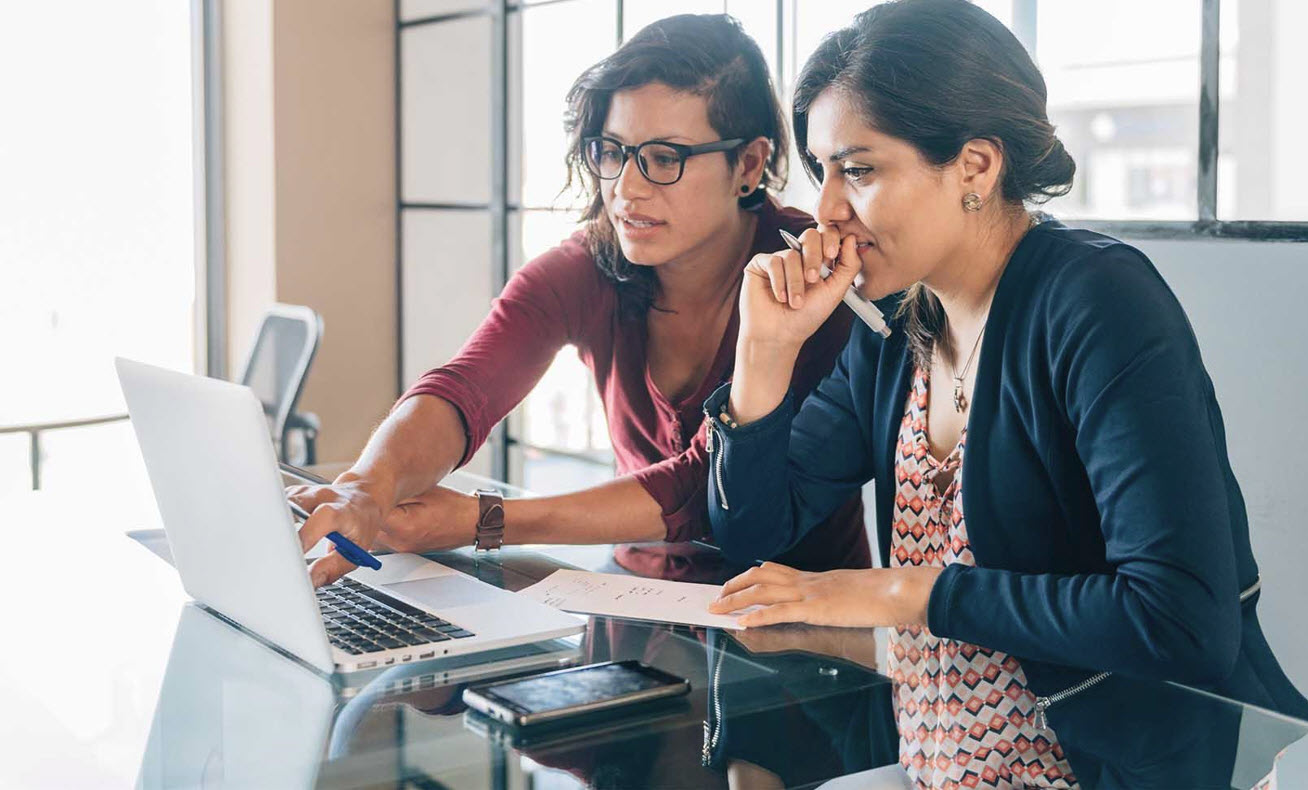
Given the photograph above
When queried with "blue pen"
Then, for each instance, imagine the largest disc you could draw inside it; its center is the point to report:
(347, 548)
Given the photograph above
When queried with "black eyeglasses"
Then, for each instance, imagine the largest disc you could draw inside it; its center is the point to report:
(661, 162)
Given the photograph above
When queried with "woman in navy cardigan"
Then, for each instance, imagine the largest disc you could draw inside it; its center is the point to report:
(1103, 531)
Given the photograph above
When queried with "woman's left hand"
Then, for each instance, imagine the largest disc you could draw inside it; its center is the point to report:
(440, 518)
(849, 598)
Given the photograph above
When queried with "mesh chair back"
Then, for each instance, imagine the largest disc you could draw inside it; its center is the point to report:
(279, 363)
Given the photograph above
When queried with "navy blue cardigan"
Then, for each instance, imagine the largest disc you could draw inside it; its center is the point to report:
(1108, 530)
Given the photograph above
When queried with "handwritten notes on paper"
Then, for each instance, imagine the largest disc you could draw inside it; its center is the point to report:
(615, 595)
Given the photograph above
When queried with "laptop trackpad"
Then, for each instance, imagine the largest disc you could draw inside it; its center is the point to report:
(444, 592)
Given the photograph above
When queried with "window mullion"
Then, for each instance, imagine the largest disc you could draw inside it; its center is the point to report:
(1209, 66)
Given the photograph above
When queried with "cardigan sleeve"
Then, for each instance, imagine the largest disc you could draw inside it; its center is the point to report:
(678, 483)
(773, 480)
(1125, 369)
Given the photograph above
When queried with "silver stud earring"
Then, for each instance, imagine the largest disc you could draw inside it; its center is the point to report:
(972, 202)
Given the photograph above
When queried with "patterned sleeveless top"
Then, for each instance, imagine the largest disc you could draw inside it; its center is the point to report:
(966, 717)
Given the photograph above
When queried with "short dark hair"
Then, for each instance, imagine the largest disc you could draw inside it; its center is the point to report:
(936, 74)
(707, 55)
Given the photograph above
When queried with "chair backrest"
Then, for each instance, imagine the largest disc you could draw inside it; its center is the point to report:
(279, 363)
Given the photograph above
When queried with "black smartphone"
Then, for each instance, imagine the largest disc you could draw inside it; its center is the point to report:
(658, 716)
(568, 693)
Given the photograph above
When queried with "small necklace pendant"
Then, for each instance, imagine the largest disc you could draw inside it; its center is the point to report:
(960, 400)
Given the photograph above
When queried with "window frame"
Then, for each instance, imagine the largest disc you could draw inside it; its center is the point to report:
(1208, 225)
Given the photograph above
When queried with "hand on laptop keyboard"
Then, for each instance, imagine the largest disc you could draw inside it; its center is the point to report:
(347, 507)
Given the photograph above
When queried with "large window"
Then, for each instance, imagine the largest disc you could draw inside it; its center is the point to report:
(558, 438)
(1124, 93)
(1261, 170)
(1182, 116)
(97, 245)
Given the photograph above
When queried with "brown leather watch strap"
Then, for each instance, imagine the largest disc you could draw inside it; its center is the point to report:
(490, 520)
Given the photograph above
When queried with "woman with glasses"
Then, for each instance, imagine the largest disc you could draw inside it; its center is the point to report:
(1056, 511)
(677, 138)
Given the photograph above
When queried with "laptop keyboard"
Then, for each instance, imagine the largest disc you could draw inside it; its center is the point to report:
(361, 619)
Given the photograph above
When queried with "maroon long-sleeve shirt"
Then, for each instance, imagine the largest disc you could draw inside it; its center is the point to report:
(561, 297)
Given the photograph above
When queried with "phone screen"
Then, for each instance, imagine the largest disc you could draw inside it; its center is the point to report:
(571, 688)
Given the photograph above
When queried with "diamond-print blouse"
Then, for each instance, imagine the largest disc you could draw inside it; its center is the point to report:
(966, 717)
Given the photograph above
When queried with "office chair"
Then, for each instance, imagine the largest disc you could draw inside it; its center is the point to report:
(276, 369)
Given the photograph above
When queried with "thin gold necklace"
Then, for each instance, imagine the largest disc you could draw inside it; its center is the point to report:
(960, 399)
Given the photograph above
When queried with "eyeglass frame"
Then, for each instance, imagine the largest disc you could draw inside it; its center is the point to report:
(683, 151)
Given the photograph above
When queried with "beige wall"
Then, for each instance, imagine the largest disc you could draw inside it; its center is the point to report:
(310, 159)
(248, 171)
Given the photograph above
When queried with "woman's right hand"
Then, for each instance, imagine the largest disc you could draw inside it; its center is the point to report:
(347, 506)
(784, 300)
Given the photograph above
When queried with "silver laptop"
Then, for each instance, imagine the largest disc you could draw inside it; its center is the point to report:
(215, 478)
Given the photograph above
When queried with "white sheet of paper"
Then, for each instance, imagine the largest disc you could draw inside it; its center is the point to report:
(616, 595)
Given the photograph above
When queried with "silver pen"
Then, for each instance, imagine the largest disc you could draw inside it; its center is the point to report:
(855, 301)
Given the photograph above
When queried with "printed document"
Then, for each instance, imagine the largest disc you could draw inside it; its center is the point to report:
(634, 597)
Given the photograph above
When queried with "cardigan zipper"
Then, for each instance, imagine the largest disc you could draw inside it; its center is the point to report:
(715, 461)
(1042, 704)
(713, 730)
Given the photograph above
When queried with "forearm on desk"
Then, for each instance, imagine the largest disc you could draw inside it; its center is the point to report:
(619, 511)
